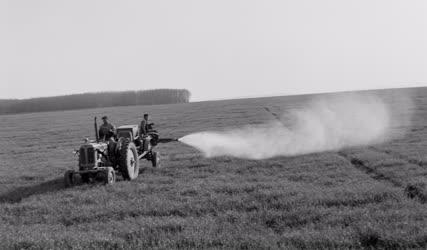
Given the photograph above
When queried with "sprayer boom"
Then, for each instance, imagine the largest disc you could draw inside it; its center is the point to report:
(167, 140)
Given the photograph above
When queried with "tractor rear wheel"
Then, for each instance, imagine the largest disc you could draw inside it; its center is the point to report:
(69, 179)
(155, 159)
(129, 163)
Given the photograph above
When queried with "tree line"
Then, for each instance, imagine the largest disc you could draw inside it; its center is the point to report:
(95, 100)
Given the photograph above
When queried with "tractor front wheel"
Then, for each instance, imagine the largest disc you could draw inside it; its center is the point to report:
(129, 163)
(110, 176)
(155, 159)
(85, 178)
(69, 178)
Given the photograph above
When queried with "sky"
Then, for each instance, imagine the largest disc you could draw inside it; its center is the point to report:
(217, 49)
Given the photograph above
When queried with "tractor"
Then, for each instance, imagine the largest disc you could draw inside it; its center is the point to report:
(102, 160)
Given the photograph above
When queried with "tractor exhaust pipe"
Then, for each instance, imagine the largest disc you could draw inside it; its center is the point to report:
(96, 131)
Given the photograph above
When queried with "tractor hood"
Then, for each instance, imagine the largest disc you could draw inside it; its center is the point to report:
(96, 145)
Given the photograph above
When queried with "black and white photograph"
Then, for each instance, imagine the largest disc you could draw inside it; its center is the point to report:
(201, 124)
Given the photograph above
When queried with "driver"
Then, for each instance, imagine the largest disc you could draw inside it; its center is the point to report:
(106, 130)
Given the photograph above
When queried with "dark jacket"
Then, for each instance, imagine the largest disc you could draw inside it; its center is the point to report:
(107, 131)
(143, 129)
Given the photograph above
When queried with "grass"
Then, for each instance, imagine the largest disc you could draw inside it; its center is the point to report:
(369, 197)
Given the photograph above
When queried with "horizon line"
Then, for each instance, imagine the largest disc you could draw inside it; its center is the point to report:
(423, 85)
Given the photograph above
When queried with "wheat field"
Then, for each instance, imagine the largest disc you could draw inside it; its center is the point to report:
(362, 197)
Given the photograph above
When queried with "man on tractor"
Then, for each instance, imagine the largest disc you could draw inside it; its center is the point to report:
(146, 131)
(145, 126)
(106, 130)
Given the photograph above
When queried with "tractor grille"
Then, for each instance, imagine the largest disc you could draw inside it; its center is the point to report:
(82, 156)
(87, 158)
(90, 156)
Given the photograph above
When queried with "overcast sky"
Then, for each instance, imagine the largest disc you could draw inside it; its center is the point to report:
(217, 49)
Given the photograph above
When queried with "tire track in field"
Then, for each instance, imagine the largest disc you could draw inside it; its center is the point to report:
(400, 156)
(415, 191)
(371, 172)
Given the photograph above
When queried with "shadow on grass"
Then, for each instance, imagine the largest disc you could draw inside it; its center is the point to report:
(17, 194)
(20, 193)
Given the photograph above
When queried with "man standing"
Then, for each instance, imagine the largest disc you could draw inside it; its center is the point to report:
(106, 130)
(144, 127)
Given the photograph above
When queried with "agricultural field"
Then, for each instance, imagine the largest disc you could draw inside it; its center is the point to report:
(362, 197)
